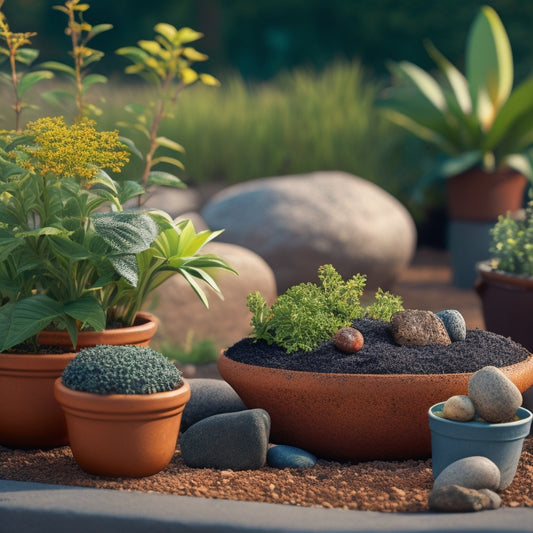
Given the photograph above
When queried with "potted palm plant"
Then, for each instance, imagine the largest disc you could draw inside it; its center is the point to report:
(73, 259)
(480, 125)
(123, 406)
(505, 282)
(348, 395)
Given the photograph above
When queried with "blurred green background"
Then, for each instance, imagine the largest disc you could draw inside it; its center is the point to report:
(299, 78)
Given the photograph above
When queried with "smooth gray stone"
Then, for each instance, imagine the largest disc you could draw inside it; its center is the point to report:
(228, 441)
(209, 397)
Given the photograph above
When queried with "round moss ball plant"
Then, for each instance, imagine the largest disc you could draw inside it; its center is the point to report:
(121, 370)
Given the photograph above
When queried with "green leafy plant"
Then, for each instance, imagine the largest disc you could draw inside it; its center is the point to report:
(308, 314)
(474, 120)
(16, 52)
(512, 243)
(70, 256)
(80, 32)
(166, 64)
(121, 370)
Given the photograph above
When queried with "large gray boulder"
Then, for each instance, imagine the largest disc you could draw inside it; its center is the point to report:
(182, 315)
(297, 223)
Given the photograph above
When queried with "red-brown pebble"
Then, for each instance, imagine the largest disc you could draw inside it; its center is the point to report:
(349, 340)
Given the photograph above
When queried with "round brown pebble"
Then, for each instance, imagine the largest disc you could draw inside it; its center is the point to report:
(349, 340)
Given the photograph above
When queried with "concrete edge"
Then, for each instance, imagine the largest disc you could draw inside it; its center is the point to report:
(36, 507)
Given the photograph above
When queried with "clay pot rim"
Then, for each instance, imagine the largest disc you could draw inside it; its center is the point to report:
(144, 328)
(524, 416)
(505, 278)
(37, 361)
(120, 402)
(336, 376)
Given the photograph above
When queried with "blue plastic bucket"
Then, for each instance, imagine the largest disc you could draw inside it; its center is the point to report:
(501, 443)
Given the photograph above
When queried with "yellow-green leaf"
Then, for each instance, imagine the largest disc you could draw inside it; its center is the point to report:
(188, 75)
(194, 55)
(207, 79)
(168, 31)
(170, 160)
(188, 35)
(489, 65)
(169, 143)
(152, 47)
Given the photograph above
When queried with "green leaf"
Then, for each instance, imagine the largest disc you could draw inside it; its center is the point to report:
(489, 65)
(169, 143)
(521, 163)
(169, 160)
(126, 266)
(99, 28)
(39, 232)
(58, 97)
(88, 311)
(27, 55)
(457, 81)
(92, 79)
(126, 232)
(25, 318)
(8, 245)
(519, 104)
(131, 146)
(31, 78)
(135, 54)
(59, 67)
(158, 177)
(129, 189)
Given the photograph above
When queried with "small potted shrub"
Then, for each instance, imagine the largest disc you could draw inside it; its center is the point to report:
(481, 128)
(123, 407)
(505, 282)
(346, 395)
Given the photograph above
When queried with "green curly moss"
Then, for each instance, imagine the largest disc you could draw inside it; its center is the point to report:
(121, 370)
(309, 314)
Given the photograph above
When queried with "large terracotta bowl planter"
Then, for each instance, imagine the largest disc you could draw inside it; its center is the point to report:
(123, 435)
(352, 417)
(507, 302)
(30, 417)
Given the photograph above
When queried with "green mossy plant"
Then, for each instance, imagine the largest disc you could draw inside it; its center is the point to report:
(512, 243)
(121, 370)
(309, 314)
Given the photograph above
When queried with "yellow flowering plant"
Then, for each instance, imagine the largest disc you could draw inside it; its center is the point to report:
(70, 256)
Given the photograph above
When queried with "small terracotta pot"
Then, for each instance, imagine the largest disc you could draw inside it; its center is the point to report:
(122, 435)
(506, 302)
(30, 417)
(477, 195)
(140, 333)
(353, 417)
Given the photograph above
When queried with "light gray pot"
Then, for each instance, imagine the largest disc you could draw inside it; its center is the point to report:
(501, 443)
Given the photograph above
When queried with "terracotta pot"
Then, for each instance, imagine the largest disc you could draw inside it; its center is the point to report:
(121, 435)
(352, 417)
(477, 195)
(30, 417)
(507, 302)
(140, 333)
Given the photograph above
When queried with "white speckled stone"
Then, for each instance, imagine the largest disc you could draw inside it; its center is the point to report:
(476, 472)
(459, 408)
(495, 397)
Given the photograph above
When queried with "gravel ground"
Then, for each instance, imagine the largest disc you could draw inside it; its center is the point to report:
(395, 486)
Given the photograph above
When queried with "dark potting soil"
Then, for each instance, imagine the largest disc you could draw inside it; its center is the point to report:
(380, 354)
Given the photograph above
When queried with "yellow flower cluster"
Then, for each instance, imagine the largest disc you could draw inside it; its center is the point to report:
(77, 151)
